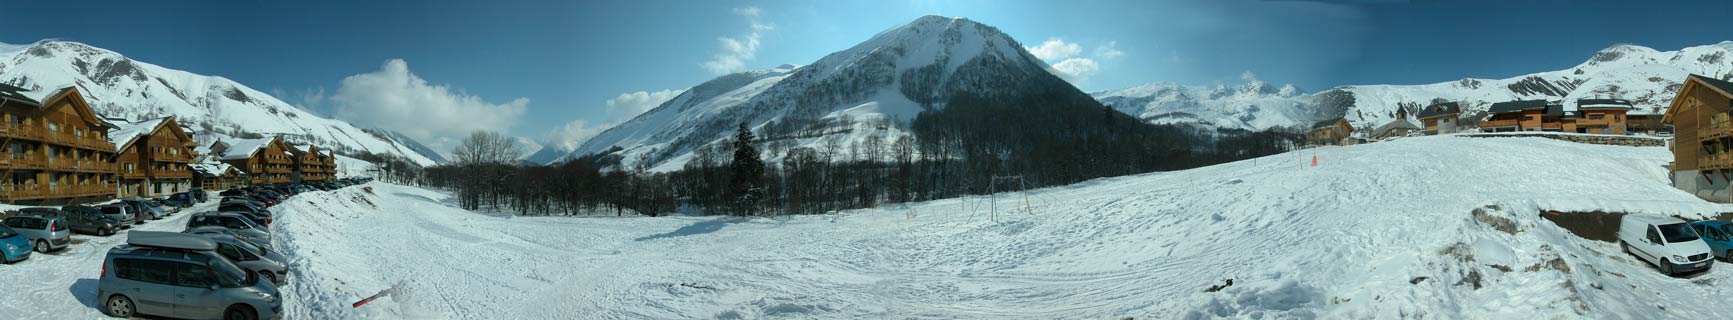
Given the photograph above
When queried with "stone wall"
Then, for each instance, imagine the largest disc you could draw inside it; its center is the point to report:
(1615, 140)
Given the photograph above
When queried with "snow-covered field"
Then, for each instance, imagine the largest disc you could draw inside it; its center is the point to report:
(1374, 231)
(1382, 230)
(62, 285)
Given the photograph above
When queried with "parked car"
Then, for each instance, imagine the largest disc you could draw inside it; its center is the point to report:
(182, 200)
(39, 211)
(143, 211)
(232, 193)
(232, 221)
(45, 233)
(1718, 234)
(1667, 242)
(179, 275)
(199, 195)
(119, 211)
(221, 231)
(258, 217)
(243, 253)
(14, 247)
(157, 204)
(90, 220)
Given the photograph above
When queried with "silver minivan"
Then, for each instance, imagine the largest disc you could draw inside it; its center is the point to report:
(179, 275)
(47, 233)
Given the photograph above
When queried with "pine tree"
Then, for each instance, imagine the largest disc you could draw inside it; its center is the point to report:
(747, 185)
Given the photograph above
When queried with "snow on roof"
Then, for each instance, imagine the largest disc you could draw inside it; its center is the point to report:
(174, 240)
(210, 169)
(34, 97)
(125, 132)
(1651, 218)
(243, 148)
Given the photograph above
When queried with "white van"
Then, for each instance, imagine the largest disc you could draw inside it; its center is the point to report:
(1665, 241)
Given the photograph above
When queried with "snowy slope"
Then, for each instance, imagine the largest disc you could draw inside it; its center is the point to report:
(1647, 77)
(117, 86)
(871, 89)
(548, 154)
(1345, 239)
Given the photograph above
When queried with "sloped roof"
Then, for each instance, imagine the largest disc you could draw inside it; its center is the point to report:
(125, 133)
(1326, 123)
(1398, 124)
(32, 97)
(1717, 83)
(1440, 110)
(210, 169)
(241, 149)
(1519, 105)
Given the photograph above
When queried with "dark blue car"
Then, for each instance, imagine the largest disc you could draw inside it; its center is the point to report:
(1719, 235)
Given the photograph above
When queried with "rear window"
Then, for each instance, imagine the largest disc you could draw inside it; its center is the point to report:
(200, 221)
(111, 210)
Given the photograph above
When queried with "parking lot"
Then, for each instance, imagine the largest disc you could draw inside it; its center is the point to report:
(62, 284)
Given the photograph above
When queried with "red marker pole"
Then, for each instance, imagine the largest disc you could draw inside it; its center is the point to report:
(381, 293)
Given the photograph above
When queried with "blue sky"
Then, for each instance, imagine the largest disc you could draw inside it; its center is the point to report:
(566, 69)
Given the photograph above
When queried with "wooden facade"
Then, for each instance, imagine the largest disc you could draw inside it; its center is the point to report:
(264, 161)
(154, 158)
(1440, 118)
(56, 150)
(1332, 132)
(312, 164)
(1596, 116)
(216, 176)
(1703, 134)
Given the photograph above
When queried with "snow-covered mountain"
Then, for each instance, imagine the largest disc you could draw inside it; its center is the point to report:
(1648, 77)
(117, 86)
(1254, 105)
(871, 89)
(549, 153)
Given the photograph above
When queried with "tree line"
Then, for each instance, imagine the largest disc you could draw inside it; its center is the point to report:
(954, 151)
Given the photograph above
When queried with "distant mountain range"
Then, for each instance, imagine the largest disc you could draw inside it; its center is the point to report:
(117, 86)
(1647, 77)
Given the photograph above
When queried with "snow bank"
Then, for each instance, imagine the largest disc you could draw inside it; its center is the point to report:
(1381, 230)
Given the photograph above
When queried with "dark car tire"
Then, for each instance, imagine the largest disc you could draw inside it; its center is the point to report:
(1666, 267)
(1729, 256)
(42, 246)
(105, 232)
(240, 312)
(119, 306)
(268, 276)
(1625, 247)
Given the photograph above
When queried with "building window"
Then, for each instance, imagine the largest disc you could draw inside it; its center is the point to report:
(1597, 116)
(53, 127)
(1528, 118)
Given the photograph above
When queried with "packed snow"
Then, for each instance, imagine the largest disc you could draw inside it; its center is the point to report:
(62, 284)
(1382, 230)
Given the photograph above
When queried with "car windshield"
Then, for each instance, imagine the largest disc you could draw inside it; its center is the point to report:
(1677, 232)
(7, 232)
(229, 271)
(1727, 229)
(249, 246)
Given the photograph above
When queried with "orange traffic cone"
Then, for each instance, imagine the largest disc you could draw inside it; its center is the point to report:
(1314, 161)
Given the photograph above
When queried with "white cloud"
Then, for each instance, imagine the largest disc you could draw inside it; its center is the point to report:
(1054, 49)
(395, 99)
(631, 104)
(1076, 69)
(623, 107)
(1248, 76)
(735, 52)
(1109, 50)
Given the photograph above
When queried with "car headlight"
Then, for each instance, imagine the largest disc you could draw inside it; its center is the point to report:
(10, 247)
(269, 298)
(1678, 258)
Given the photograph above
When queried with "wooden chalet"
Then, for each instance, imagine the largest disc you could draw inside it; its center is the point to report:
(1440, 118)
(313, 165)
(216, 176)
(1703, 137)
(1330, 132)
(264, 160)
(1602, 116)
(154, 157)
(56, 149)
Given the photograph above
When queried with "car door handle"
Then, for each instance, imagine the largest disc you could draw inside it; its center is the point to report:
(180, 296)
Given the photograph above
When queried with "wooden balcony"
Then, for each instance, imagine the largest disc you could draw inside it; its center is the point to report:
(1715, 130)
(1715, 161)
(36, 192)
(171, 157)
(1498, 123)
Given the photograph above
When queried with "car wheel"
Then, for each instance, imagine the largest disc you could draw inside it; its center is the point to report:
(1666, 267)
(105, 232)
(239, 313)
(1729, 256)
(119, 306)
(42, 246)
(268, 276)
(1625, 247)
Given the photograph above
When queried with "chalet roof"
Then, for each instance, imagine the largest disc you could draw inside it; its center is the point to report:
(1325, 123)
(32, 97)
(125, 132)
(241, 149)
(1440, 109)
(1398, 124)
(1603, 104)
(1718, 83)
(211, 169)
(1554, 110)
(1519, 105)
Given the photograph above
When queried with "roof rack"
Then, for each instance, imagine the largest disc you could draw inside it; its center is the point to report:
(172, 240)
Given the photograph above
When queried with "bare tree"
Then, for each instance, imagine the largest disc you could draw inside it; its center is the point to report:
(486, 147)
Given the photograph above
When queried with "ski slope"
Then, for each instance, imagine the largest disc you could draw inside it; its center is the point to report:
(1349, 238)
